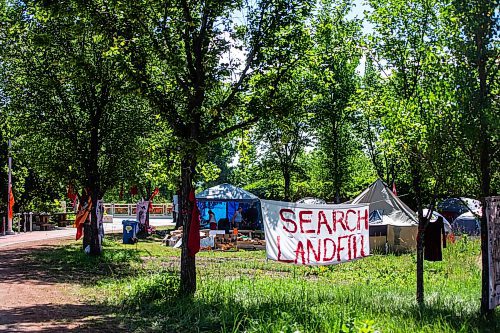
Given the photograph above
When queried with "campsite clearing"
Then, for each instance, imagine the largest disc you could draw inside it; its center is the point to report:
(242, 291)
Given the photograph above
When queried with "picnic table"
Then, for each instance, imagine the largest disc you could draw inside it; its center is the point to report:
(62, 219)
(42, 220)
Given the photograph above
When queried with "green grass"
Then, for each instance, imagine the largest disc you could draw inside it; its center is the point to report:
(242, 292)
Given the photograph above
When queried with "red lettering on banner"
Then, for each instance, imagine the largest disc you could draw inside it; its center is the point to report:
(278, 238)
(286, 220)
(300, 250)
(339, 246)
(310, 248)
(340, 220)
(323, 221)
(325, 248)
(350, 211)
(364, 218)
(363, 254)
(354, 245)
(303, 220)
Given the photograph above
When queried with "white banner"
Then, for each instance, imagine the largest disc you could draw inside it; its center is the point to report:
(141, 211)
(100, 215)
(305, 234)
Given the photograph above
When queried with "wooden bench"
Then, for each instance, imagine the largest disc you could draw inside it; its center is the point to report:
(65, 223)
(45, 226)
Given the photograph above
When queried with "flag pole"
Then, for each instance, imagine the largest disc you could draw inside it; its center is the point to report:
(9, 194)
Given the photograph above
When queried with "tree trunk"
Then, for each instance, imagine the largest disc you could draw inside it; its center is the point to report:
(483, 104)
(95, 244)
(188, 264)
(286, 177)
(421, 234)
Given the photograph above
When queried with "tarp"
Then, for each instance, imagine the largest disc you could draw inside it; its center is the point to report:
(224, 200)
(315, 234)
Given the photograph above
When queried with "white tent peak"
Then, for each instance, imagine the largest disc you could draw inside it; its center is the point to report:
(385, 205)
(226, 192)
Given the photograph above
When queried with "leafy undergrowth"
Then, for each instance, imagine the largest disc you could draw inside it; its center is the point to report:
(242, 292)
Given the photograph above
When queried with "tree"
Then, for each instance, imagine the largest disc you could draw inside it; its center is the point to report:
(472, 35)
(285, 134)
(333, 63)
(181, 54)
(406, 45)
(67, 105)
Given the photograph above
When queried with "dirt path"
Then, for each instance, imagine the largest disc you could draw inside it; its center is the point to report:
(33, 300)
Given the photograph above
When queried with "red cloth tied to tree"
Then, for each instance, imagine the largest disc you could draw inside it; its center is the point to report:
(194, 228)
(153, 195)
(11, 204)
(72, 196)
(81, 217)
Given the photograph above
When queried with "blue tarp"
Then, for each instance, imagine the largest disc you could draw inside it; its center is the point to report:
(225, 199)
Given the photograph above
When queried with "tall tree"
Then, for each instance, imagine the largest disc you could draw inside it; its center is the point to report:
(336, 55)
(472, 32)
(285, 134)
(195, 60)
(405, 44)
(66, 102)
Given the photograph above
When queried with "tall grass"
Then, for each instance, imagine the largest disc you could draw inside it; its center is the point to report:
(242, 292)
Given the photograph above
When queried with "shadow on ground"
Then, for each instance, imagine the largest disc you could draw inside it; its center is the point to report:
(60, 318)
(54, 264)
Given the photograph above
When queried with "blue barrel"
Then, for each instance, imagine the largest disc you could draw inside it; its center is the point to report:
(130, 228)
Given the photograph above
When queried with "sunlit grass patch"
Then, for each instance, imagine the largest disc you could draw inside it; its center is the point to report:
(241, 291)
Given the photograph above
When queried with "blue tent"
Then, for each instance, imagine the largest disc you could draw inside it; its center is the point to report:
(224, 200)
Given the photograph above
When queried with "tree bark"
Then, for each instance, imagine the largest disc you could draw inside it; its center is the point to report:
(95, 244)
(188, 263)
(485, 167)
(421, 234)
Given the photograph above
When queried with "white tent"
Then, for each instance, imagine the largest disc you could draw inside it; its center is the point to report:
(393, 225)
(385, 207)
(434, 217)
(312, 201)
(226, 192)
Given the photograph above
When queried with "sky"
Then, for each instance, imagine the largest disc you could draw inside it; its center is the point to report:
(359, 7)
(357, 12)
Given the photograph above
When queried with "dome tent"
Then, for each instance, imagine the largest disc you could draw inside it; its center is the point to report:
(224, 200)
(451, 208)
(312, 201)
(467, 223)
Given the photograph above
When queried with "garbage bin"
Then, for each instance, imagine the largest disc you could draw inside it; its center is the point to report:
(130, 228)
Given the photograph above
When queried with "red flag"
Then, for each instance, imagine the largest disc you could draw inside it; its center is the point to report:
(81, 217)
(11, 204)
(153, 195)
(394, 188)
(72, 195)
(134, 190)
(194, 229)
